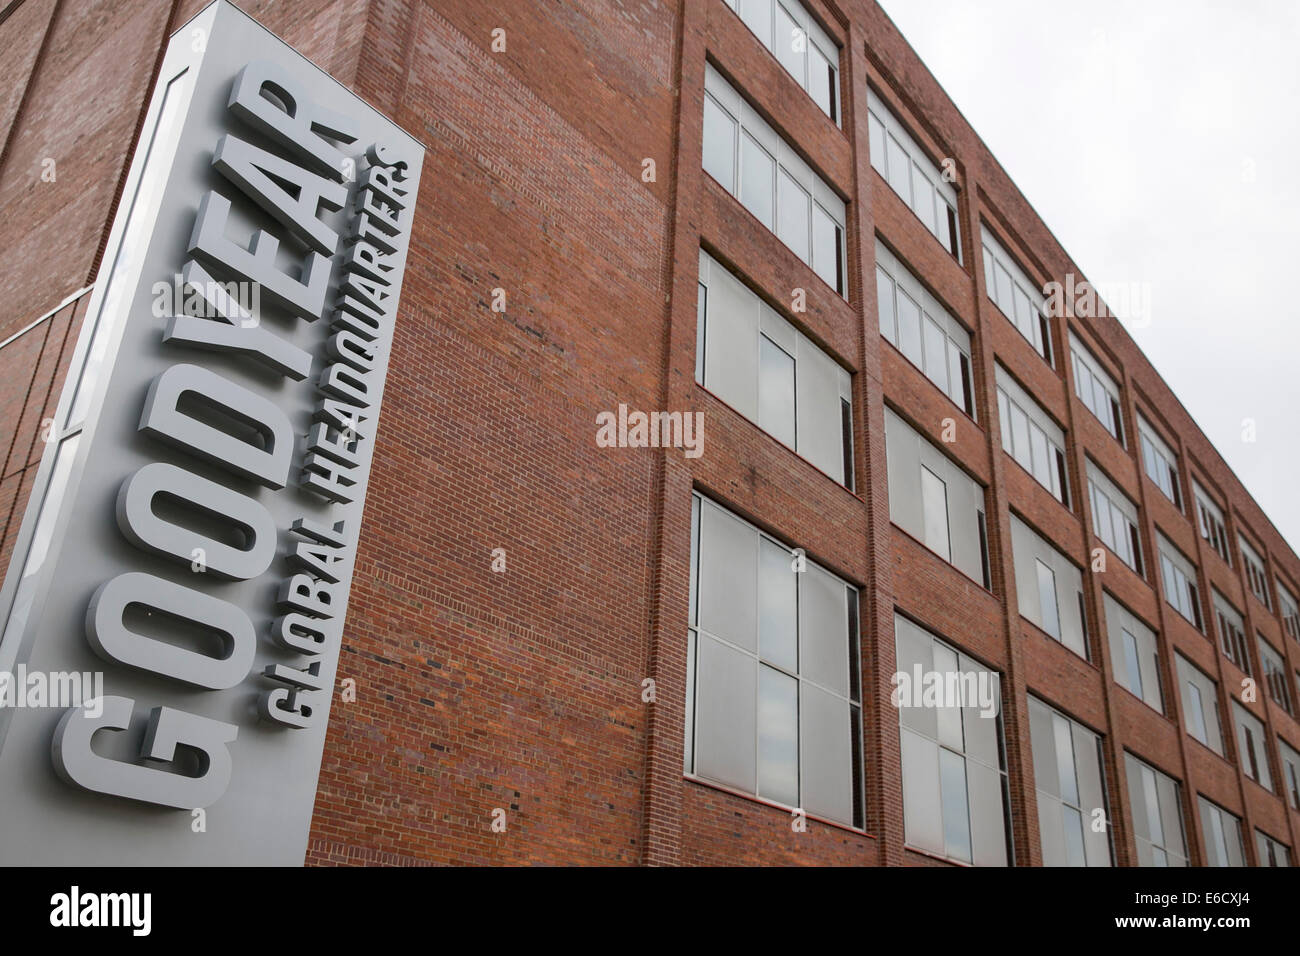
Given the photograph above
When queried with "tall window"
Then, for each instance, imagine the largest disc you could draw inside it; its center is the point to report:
(1114, 518)
(1157, 815)
(1256, 577)
(916, 324)
(1232, 636)
(1179, 578)
(1289, 610)
(774, 704)
(934, 501)
(799, 44)
(1134, 654)
(770, 372)
(1072, 814)
(1096, 389)
(1018, 297)
(1290, 773)
(1200, 704)
(954, 774)
(911, 174)
(1271, 852)
(1250, 746)
(1160, 463)
(754, 164)
(1049, 588)
(1223, 846)
(1209, 522)
(1031, 437)
(1274, 674)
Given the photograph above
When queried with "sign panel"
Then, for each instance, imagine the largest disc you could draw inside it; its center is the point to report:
(176, 600)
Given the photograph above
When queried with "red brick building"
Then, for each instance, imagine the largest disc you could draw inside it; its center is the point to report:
(518, 584)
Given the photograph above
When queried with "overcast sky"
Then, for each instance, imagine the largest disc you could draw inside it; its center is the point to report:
(1160, 142)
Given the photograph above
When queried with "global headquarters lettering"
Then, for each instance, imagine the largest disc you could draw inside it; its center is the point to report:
(248, 437)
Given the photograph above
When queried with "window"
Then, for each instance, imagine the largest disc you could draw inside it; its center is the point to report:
(1290, 773)
(954, 775)
(934, 505)
(1209, 522)
(772, 182)
(776, 401)
(1250, 746)
(1096, 389)
(1232, 637)
(770, 372)
(1134, 654)
(1114, 518)
(1274, 674)
(1223, 845)
(799, 44)
(1200, 704)
(1160, 463)
(918, 181)
(1016, 295)
(1072, 817)
(942, 350)
(1255, 574)
(1049, 588)
(774, 705)
(1031, 437)
(915, 503)
(1271, 852)
(1179, 578)
(1157, 815)
(1289, 610)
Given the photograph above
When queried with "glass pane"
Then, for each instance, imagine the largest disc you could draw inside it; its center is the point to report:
(950, 718)
(934, 504)
(876, 137)
(1073, 837)
(1004, 420)
(1065, 761)
(821, 84)
(719, 144)
(956, 816)
(900, 171)
(909, 328)
(1004, 295)
(885, 305)
(757, 179)
(1047, 600)
(757, 15)
(923, 191)
(826, 248)
(791, 46)
(1196, 713)
(1131, 664)
(776, 391)
(777, 607)
(1020, 437)
(778, 736)
(1042, 468)
(954, 376)
(944, 227)
(936, 366)
(793, 211)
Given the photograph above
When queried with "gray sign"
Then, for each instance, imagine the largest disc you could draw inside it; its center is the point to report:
(192, 532)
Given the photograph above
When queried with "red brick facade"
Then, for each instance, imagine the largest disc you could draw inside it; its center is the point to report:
(522, 690)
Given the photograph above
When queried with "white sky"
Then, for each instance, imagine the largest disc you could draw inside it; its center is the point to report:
(1160, 142)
